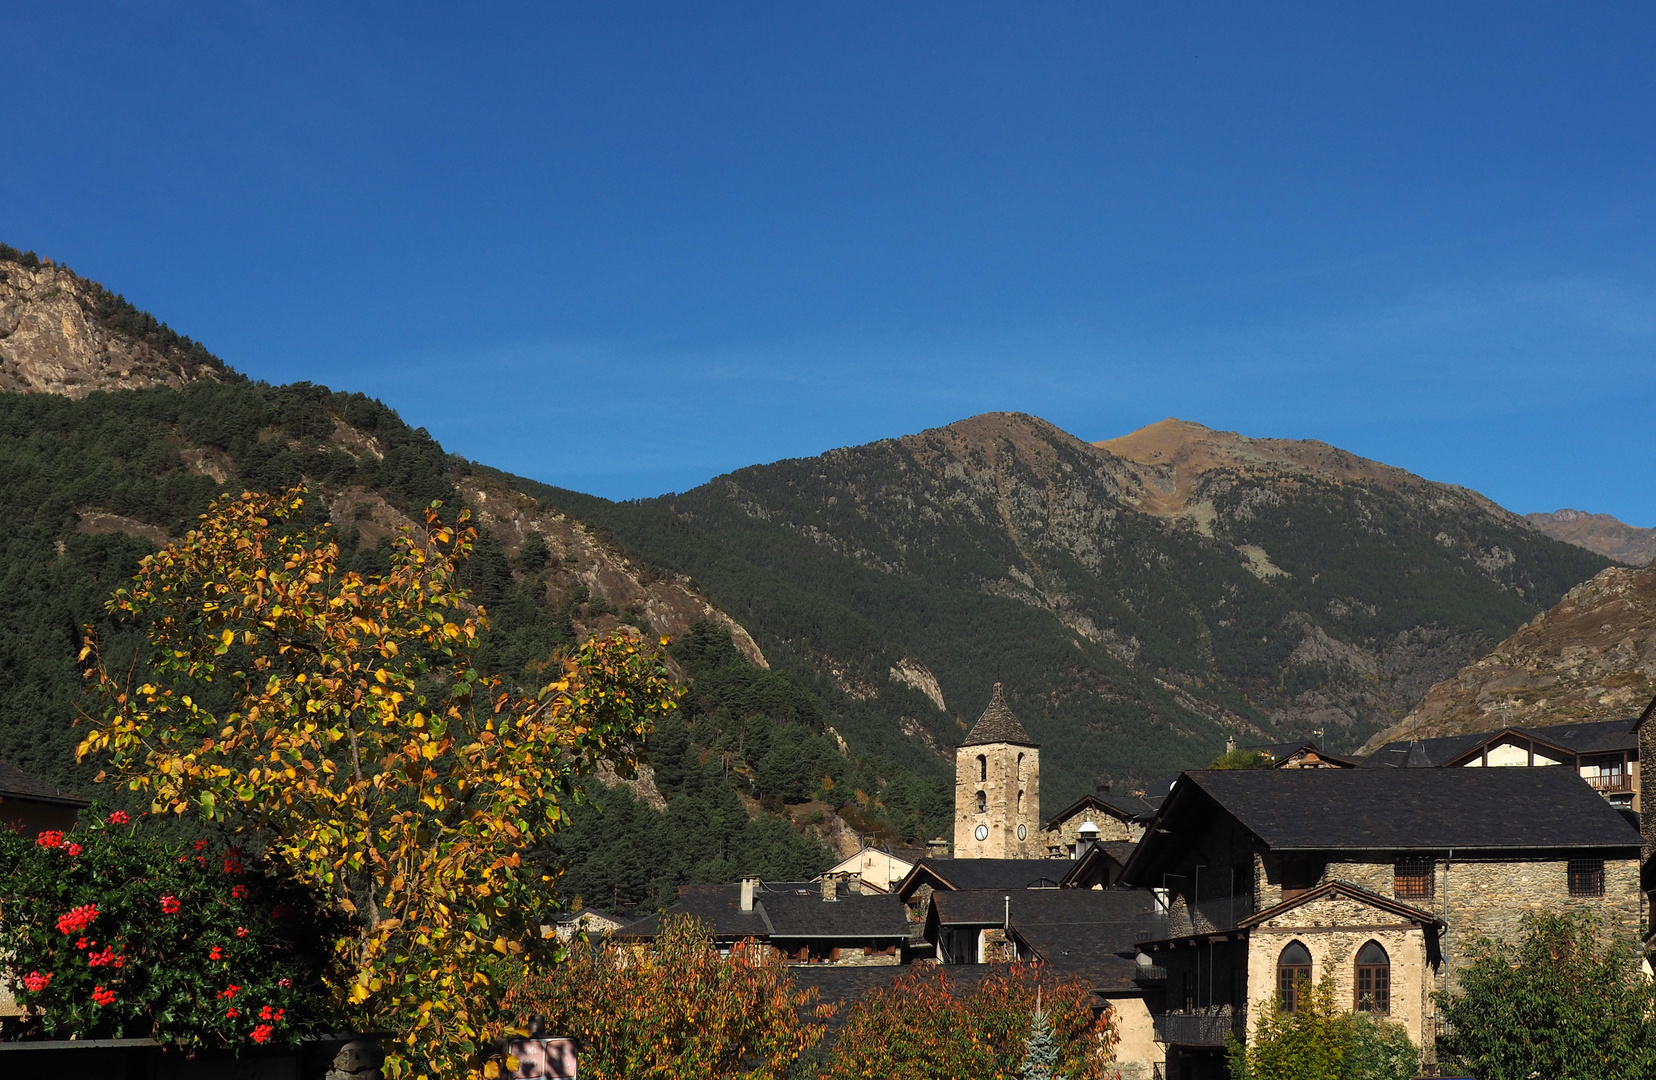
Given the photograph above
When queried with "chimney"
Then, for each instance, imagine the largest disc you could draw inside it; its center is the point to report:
(830, 888)
(750, 885)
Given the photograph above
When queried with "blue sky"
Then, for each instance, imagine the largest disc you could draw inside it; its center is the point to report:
(623, 248)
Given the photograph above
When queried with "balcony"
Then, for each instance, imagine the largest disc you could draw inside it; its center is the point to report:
(1201, 1029)
(1149, 973)
(1221, 914)
(1611, 783)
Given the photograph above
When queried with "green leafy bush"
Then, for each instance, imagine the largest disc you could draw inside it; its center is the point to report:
(108, 932)
(1568, 1003)
(1320, 1041)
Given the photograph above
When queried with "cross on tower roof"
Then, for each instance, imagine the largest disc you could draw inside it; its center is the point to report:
(998, 725)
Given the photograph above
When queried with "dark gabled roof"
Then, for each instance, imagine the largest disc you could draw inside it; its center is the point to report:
(1106, 851)
(1603, 737)
(998, 725)
(17, 784)
(951, 874)
(1085, 933)
(1389, 810)
(793, 909)
(719, 906)
(1120, 807)
(1343, 888)
(851, 916)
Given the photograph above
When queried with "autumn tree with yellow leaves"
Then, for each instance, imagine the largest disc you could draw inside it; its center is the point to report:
(352, 735)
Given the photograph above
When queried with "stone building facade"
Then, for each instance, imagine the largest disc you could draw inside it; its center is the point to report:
(1116, 819)
(998, 789)
(1353, 865)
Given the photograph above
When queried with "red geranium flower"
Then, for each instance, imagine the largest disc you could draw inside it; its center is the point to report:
(77, 919)
(239, 892)
(34, 982)
(241, 931)
(107, 957)
(119, 817)
(169, 904)
(284, 982)
(272, 1015)
(201, 845)
(72, 849)
(50, 839)
(215, 954)
(232, 862)
(262, 1033)
(232, 1013)
(102, 996)
(229, 992)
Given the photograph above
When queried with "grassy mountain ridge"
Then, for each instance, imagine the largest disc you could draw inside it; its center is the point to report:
(1131, 643)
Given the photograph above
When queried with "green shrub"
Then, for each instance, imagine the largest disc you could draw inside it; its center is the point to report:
(1568, 1003)
(1319, 1041)
(108, 932)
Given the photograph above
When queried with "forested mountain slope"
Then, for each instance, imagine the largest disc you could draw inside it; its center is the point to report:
(95, 473)
(1138, 612)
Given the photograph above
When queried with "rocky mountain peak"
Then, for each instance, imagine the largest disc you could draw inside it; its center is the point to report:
(1175, 456)
(1599, 532)
(63, 334)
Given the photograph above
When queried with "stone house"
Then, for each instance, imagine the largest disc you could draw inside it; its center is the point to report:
(1606, 754)
(931, 876)
(809, 922)
(1377, 877)
(1117, 818)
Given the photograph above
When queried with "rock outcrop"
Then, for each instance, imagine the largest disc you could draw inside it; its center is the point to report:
(63, 334)
(1591, 657)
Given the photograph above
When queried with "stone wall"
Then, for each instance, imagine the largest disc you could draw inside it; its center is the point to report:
(1005, 773)
(1333, 930)
(1137, 1053)
(1060, 841)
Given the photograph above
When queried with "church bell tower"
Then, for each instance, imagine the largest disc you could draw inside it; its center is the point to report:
(998, 788)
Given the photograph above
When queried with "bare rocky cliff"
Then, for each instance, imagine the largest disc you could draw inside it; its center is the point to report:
(1591, 657)
(63, 334)
(1599, 532)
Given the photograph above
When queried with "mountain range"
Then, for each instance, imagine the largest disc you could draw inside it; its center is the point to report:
(1599, 532)
(1142, 599)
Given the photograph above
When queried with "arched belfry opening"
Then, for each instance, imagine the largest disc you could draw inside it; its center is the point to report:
(997, 788)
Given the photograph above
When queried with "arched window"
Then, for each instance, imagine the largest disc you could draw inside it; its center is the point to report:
(1293, 965)
(1020, 802)
(983, 768)
(1373, 979)
(1020, 766)
(983, 803)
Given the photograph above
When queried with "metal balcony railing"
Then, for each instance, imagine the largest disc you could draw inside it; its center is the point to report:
(1220, 914)
(1200, 1029)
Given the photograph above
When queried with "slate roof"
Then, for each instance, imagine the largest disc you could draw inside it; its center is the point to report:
(985, 874)
(1603, 737)
(793, 910)
(17, 784)
(851, 916)
(1392, 810)
(1085, 933)
(998, 725)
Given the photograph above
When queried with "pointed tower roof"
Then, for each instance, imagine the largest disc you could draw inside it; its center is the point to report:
(998, 725)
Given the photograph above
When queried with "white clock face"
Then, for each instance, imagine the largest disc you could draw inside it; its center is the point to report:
(982, 832)
(1023, 833)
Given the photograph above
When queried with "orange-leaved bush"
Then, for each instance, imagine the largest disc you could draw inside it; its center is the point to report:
(674, 1007)
(930, 1024)
(340, 717)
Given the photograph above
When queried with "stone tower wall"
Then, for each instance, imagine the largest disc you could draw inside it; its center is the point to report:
(1000, 782)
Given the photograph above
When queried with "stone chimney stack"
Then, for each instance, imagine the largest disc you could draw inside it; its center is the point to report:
(830, 888)
(750, 885)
